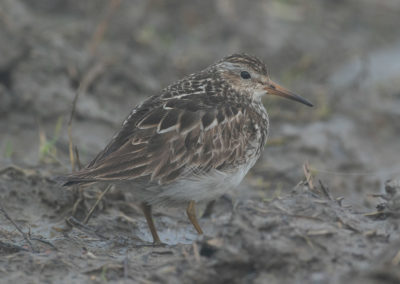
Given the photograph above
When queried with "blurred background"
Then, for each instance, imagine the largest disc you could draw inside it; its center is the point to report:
(342, 55)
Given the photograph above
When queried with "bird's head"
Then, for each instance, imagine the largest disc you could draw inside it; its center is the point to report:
(247, 74)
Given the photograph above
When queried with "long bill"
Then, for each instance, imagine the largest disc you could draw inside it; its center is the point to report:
(277, 90)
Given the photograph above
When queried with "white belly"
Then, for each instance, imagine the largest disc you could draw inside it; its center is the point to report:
(197, 188)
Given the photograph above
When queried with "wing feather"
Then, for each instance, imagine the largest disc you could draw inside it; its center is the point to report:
(170, 141)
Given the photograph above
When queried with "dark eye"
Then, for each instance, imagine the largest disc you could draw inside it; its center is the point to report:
(245, 75)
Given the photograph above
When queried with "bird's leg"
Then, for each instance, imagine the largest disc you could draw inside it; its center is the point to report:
(146, 208)
(191, 212)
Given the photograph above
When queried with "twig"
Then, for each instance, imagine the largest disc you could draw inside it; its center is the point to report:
(196, 252)
(339, 200)
(325, 190)
(78, 201)
(89, 77)
(71, 221)
(45, 242)
(307, 173)
(102, 26)
(95, 205)
(77, 158)
(305, 238)
(17, 227)
(374, 214)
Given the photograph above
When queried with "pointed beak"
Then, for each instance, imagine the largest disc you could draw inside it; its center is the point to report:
(274, 89)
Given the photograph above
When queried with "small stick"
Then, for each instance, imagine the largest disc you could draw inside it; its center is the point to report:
(71, 155)
(78, 200)
(102, 26)
(45, 242)
(95, 205)
(73, 222)
(17, 227)
(84, 84)
(196, 252)
(307, 173)
(325, 190)
(77, 158)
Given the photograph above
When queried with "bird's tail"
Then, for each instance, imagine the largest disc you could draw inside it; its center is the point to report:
(72, 179)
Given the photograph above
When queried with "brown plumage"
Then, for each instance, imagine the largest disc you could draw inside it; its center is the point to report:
(193, 141)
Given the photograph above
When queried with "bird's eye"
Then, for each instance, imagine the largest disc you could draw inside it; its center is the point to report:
(245, 75)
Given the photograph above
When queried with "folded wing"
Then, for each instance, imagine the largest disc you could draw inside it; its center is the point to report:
(172, 139)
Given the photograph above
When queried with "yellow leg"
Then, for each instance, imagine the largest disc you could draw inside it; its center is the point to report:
(147, 213)
(191, 212)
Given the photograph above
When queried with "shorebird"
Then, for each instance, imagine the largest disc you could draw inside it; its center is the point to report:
(193, 141)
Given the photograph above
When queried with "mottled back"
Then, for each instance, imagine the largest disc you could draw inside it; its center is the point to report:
(199, 124)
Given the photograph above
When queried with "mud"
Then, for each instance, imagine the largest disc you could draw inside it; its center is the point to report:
(339, 225)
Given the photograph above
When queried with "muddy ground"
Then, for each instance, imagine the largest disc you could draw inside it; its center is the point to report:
(341, 225)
